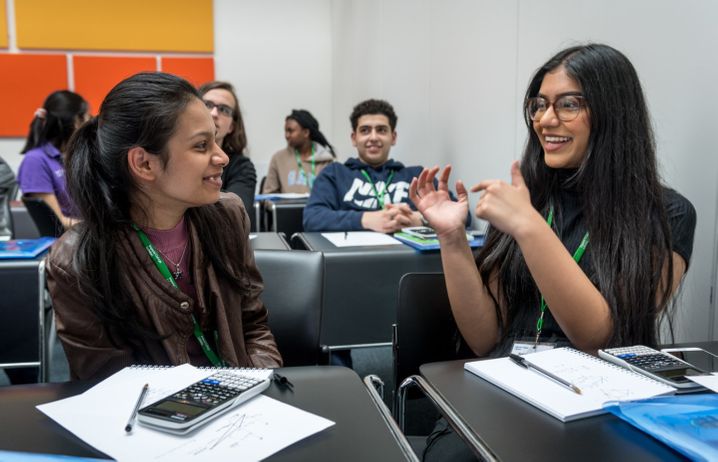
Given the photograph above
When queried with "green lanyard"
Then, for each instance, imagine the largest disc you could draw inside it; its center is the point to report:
(162, 267)
(576, 257)
(379, 195)
(309, 179)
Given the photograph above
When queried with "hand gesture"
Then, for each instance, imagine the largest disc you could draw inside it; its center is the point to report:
(388, 220)
(443, 214)
(506, 206)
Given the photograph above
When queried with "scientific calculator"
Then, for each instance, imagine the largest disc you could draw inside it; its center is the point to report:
(200, 402)
(655, 364)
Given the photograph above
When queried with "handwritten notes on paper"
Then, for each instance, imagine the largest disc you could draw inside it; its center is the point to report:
(253, 431)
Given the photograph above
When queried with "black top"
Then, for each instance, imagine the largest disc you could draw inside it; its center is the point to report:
(571, 228)
(240, 177)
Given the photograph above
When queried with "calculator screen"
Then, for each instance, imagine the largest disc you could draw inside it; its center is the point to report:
(181, 408)
(678, 374)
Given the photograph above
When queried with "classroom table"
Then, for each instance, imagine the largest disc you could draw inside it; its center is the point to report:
(269, 241)
(503, 421)
(335, 393)
(360, 289)
(22, 314)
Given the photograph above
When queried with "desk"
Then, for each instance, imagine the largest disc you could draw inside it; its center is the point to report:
(22, 314)
(269, 241)
(360, 289)
(335, 393)
(517, 431)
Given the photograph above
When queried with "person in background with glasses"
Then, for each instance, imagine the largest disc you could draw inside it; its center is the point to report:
(294, 168)
(586, 246)
(239, 176)
(149, 276)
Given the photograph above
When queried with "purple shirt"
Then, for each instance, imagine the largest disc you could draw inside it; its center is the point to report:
(41, 171)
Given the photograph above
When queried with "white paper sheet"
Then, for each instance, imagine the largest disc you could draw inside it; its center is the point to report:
(708, 381)
(359, 238)
(252, 431)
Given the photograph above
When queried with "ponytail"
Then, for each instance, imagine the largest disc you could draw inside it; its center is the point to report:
(307, 121)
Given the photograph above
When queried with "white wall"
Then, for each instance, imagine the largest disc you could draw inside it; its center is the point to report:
(456, 72)
(278, 56)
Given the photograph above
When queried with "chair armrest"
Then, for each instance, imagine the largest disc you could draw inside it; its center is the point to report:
(372, 382)
(474, 441)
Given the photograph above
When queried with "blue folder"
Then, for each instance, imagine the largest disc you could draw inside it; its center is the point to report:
(424, 245)
(687, 423)
(24, 248)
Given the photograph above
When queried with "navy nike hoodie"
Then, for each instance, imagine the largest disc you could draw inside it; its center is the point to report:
(341, 193)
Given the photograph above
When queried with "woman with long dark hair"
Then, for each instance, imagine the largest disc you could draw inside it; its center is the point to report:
(149, 275)
(588, 180)
(585, 246)
(294, 168)
(239, 176)
(41, 172)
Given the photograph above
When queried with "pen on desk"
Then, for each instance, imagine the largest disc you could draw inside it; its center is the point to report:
(346, 235)
(133, 416)
(523, 362)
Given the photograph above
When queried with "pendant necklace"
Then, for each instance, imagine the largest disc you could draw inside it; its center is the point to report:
(177, 273)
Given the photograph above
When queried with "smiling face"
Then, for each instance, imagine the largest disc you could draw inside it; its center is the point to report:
(564, 143)
(221, 100)
(192, 175)
(373, 139)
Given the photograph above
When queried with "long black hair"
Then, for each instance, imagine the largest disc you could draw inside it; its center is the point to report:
(307, 121)
(55, 122)
(236, 141)
(620, 192)
(143, 111)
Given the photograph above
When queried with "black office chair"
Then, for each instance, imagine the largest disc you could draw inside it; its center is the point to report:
(425, 331)
(46, 221)
(293, 288)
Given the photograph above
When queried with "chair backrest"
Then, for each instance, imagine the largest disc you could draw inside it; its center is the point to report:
(425, 330)
(47, 223)
(293, 288)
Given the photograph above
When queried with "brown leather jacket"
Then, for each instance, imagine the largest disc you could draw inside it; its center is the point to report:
(241, 322)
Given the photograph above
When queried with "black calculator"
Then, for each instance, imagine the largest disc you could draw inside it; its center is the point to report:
(655, 364)
(200, 402)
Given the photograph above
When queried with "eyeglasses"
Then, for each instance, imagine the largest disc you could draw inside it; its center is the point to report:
(221, 108)
(565, 107)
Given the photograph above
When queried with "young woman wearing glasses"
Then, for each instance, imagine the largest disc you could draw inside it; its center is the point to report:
(240, 176)
(149, 276)
(585, 246)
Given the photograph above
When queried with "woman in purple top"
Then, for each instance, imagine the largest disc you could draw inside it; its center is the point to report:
(42, 173)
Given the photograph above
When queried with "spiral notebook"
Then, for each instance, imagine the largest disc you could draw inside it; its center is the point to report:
(598, 380)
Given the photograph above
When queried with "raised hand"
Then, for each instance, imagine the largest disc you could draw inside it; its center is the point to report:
(506, 206)
(443, 214)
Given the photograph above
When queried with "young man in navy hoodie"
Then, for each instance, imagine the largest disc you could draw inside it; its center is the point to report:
(370, 192)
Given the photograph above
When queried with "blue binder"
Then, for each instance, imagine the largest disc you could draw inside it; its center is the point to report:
(24, 248)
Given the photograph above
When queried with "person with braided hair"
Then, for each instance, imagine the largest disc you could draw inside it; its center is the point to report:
(294, 168)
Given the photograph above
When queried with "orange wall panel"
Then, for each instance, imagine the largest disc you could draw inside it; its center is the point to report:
(96, 75)
(129, 25)
(3, 25)
(25, 82)
(196, 70)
